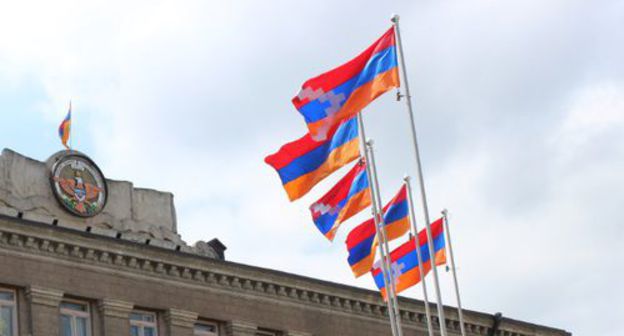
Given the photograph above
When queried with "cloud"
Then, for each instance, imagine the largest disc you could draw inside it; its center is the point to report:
(518, 108)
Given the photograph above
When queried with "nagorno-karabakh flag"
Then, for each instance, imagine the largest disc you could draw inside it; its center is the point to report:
(65, 128)
(361, 242)
(404, 261)
(341, 93)
(303, 163)
(348, 197)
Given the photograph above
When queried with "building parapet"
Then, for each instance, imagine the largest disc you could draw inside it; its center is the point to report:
(136, 214)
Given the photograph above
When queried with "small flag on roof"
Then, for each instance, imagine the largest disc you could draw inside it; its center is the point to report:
(65, 128)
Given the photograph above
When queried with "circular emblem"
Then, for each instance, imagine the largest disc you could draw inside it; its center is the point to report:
(79, 185)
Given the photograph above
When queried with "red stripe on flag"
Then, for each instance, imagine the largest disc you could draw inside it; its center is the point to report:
(341, 74)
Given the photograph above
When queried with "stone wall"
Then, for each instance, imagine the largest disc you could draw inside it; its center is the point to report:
(25, 187)
(136, 214)
(114, 276)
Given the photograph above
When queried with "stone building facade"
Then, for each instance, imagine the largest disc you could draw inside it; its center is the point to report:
(126, 271)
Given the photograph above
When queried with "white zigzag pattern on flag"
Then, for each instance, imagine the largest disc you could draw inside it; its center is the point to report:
(322, 208)
(335, 100)
(310, 93)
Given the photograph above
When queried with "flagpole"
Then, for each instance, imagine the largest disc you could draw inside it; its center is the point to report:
(396, 330)
(418, 255)
(391, 294)
(395, 21)
(452, 259)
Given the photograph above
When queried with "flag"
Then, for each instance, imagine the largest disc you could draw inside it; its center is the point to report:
(404, 261)
(341, 93)
(361, 242)
(348, 197)
(65, 128)
(303, 163)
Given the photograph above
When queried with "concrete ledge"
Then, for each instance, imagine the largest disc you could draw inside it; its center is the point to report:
(35, 217)
(72, 225)
(8, 211)
(103, 232)
(135, 237)
(187, 249)
(163, 244)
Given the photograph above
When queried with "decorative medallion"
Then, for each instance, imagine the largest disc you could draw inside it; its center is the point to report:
(79, 185)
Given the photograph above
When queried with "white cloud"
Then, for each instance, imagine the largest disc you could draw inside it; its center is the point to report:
(519, 108)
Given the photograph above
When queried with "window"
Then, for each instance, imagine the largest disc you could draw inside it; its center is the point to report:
(143, 324)
(206, 329)
(8, 313)
(266, 333)
(75, 319)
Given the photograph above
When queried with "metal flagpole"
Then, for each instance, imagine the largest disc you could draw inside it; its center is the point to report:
(378, 223)
(395, 20)
(418, 255)
(450, 246)
(391, 294)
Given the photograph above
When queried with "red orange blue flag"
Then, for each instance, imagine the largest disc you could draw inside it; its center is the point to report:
(341, 93)
(361, 241)
(303, 163)
(348, 197)
(404, 261)
(65, 128)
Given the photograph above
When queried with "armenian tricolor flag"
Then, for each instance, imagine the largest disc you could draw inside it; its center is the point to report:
(65, 128)
(341, 93)
(348, 197)
(361, 242)
(404, 261)
(303, 163)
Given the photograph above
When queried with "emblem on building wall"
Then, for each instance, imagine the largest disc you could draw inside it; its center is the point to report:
(79, 185)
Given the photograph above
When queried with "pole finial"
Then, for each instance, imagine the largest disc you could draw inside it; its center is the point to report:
(395, 18)
(370, 142)
(406, 178)
(444, 212)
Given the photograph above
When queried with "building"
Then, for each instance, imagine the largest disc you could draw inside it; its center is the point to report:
(82, 255)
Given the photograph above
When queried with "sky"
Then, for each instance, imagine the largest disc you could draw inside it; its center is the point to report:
(519, 107)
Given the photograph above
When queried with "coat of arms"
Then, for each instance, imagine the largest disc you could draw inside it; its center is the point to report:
(79, 185)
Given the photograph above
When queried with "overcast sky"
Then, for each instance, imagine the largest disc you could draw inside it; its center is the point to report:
(519, 107)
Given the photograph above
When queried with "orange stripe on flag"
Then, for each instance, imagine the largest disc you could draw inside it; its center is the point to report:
(355, 204)
(397, 229)
(360, 97)
(412, 277)
(345, 153)
(363, 266)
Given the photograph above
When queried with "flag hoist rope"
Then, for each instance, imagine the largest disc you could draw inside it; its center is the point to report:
(376, 209)
(408, 99)
(418, 254)
(453, 270)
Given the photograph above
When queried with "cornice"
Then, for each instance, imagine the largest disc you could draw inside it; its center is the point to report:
(311, 296)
